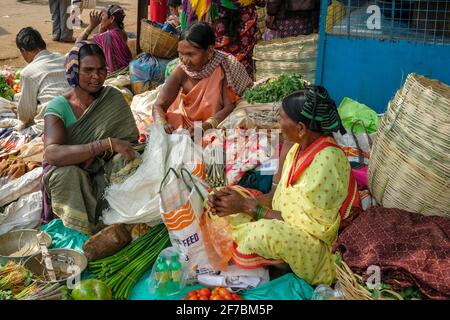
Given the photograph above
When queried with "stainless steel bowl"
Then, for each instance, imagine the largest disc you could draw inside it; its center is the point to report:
(24, 240)
(67, 263)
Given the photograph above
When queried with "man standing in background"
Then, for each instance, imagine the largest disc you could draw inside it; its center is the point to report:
(42, 79)
(60, 16)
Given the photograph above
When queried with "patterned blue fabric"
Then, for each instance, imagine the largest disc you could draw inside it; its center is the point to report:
(148, 69)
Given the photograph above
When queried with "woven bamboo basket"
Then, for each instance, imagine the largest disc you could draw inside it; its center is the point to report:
(353, 289)
(292, 54)
(157, 42)
(409, 167)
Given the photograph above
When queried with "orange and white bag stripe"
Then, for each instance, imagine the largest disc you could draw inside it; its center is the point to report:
(181, 207)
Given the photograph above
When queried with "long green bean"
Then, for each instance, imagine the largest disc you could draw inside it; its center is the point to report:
(122, 270)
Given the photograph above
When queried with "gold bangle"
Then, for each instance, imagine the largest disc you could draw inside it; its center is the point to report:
(87, 32)
(213, 122)
(110, 145)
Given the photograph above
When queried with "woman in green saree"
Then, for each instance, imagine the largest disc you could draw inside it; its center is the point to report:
(83, 130)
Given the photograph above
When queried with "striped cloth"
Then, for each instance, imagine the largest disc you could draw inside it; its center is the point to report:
(73, 63)
(235, 72)
(318, 112)
(41, 81)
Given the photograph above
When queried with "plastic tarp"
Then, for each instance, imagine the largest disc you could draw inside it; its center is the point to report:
(287, 287)
(63, 237)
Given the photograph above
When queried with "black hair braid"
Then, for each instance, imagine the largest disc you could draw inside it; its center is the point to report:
(118, 17)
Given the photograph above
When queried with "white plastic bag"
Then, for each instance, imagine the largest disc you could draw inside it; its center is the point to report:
(26, 184)
(236, 278)
(350, 146)
(142, 104)
(181, 207)
(120, 82)
(25, 213)
(136, 199)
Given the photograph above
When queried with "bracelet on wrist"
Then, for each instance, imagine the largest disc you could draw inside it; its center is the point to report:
(213, 122)
(260, 212)
(110, 145)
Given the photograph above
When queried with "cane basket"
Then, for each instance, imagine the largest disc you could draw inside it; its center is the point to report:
(409, 164)
(157, 42)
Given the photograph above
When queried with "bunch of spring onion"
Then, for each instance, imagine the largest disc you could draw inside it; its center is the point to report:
(48, 291)
(14, 277)
(122, 270)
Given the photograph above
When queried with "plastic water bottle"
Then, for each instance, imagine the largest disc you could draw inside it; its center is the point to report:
(176, 272)
(324, 292)
(162, 275)
(338, 292)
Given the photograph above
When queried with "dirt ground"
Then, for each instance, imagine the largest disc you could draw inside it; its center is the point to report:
(15, 15)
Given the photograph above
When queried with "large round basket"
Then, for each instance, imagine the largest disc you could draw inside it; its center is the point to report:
(157, 42)
(409, 164)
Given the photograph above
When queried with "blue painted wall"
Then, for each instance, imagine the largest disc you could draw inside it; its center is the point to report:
(371, 71)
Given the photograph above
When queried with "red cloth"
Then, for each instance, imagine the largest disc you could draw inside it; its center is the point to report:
(243, 48)
(158, 10)
(412, 250)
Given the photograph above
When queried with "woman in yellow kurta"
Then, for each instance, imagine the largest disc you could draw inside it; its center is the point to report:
(315, 192)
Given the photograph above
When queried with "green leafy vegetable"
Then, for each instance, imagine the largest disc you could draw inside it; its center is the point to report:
(275, 89)
(5, 89)
(411, 293)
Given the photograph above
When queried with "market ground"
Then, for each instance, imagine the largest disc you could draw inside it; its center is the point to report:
(15, 15)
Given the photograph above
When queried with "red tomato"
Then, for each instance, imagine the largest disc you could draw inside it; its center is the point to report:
(193, 297)
(223, 292)
(215, 297)
(192, 293)
(205, 292)
(228, 297)
(203, 298)
(184, 298)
